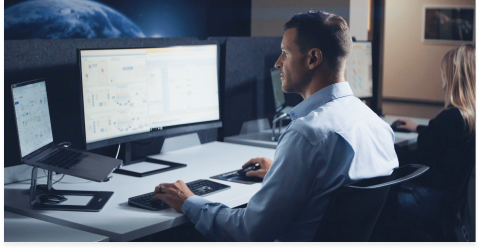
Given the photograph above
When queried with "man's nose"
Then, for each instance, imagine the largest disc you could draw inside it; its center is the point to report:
(278, 64)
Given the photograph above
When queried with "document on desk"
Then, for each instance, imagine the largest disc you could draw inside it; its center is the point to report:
(144, 167)
(76, 200)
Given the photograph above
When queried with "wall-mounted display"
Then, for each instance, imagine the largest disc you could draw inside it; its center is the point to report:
(67, 19)
(447, 24)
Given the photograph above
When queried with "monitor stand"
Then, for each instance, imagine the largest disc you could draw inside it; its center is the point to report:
(279, 117)
(163, 166)
(95, 204)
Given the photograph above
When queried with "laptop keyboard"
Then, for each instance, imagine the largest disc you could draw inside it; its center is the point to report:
(198, 187)
(62, 158)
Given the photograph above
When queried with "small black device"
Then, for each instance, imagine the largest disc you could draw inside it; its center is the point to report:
(395, 129)
(198, 187)
(243, 172)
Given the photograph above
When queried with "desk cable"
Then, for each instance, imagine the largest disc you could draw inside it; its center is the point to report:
(118, 151)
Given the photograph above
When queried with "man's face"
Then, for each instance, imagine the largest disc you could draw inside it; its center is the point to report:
(293, 64)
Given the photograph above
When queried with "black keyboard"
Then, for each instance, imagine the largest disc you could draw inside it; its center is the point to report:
(198, 187)
(62, 158)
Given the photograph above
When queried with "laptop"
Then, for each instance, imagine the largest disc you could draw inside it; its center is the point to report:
(278, 94)
(35, 137)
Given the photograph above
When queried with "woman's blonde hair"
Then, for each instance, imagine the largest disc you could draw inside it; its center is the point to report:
(458, 65)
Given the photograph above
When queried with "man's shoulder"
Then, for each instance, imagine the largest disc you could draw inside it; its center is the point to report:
(334, 117)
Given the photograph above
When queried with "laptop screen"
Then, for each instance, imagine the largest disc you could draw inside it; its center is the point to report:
(33, 116)
(277, 88)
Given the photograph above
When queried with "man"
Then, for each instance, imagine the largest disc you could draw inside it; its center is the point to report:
(333, 139)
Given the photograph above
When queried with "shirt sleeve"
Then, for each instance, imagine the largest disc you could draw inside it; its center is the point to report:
(284, 195)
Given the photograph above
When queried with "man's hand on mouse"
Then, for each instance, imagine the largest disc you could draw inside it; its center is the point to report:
(174, 194)
(265, 165)
(409, 124)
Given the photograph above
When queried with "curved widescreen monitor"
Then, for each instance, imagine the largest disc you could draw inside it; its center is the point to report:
(127, 92)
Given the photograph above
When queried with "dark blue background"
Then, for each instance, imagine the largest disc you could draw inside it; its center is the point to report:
(180, 18)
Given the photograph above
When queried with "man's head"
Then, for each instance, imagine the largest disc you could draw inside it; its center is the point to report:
(313, 43)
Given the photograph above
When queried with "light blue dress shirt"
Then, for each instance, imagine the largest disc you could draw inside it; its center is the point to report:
(333, 139)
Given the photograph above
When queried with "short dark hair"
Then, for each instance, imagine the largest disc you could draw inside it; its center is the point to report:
(325, 31)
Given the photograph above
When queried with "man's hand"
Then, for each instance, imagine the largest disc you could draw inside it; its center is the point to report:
(409, 124)
(265, 165)
(174, 194)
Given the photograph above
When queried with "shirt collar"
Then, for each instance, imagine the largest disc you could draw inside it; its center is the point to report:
(321, 97)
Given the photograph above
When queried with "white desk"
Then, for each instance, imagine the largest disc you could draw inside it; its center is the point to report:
(405, 139)
(18, 228)
(263, 138)
(121, 222)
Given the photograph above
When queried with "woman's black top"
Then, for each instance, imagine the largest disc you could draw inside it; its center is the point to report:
(446, 147)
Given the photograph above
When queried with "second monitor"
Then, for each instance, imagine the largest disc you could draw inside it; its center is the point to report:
(133, 94)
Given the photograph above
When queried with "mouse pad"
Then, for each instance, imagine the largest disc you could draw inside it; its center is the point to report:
(234, 177)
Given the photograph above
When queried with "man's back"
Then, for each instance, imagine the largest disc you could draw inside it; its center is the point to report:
(346, 141)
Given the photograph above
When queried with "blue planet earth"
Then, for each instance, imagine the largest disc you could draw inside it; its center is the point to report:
(54, 19)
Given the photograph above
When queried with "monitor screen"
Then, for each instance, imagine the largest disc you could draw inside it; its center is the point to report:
(359, 69)
(278, 94)
(132, 91)
(33, 117)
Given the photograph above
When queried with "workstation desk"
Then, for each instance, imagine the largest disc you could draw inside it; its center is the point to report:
(263, 137)
(19, 228)
(121, 222)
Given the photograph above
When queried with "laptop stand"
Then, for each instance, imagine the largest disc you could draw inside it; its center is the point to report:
(96, 203)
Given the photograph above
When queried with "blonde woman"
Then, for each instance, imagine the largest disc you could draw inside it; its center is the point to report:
(446, 145)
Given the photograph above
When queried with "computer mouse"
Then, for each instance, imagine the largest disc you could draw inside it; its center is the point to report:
(243, 172)
(395, 129)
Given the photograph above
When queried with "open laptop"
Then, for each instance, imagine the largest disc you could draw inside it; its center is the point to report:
(35, 137)
(278, 94)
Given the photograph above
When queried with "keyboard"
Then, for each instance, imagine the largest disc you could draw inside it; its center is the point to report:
(198, 187)
(62, 158)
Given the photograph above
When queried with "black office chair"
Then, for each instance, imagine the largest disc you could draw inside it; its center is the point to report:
(353, 210)
(458, 222)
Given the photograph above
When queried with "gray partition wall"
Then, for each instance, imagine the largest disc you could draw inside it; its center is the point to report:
(56, 61)
(248, 87)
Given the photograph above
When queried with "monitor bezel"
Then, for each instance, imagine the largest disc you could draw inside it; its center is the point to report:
(16, 85)
(166, 131)
(283, 105)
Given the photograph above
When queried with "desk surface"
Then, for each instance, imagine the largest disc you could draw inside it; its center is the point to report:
(263, 138)
(121, 222)
(18, 228)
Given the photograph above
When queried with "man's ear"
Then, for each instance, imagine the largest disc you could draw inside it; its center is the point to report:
(315, 57)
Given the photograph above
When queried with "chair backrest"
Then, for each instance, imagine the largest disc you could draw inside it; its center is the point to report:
(457, 222)
(353, 210)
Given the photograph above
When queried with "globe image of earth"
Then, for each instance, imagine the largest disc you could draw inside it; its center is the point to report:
(53, 19)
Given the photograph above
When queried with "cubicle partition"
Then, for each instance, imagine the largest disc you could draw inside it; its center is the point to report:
(248, 87)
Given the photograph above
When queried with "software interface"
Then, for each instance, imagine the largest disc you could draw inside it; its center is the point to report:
(33, 117)
(277, 88)
(130, 91)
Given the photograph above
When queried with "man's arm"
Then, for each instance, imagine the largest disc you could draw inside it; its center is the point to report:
(284, 194)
